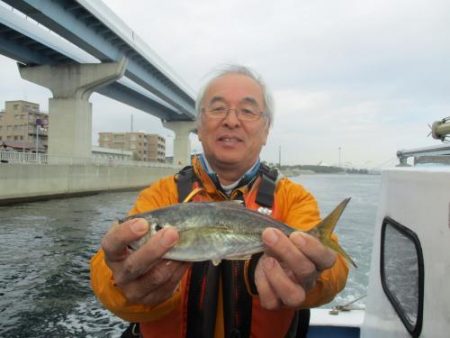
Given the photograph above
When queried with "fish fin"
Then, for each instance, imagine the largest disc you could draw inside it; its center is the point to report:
(192, 194)
(216, 262)
(326, 227)
(336, 247)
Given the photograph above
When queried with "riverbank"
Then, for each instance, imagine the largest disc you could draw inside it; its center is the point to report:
(30, 182)
(308, 169)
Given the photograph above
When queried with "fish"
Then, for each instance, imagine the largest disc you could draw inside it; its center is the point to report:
(225, 230)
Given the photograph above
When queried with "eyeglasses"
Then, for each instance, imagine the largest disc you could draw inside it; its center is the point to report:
(243, 113)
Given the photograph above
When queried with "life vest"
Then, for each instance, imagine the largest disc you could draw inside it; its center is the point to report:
(204, 278)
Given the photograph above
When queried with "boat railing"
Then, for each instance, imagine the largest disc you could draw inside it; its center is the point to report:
(433, 154)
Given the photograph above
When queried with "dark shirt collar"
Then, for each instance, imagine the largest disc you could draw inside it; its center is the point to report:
(248, 177)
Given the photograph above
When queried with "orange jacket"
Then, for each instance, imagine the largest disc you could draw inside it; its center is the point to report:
(292, 205)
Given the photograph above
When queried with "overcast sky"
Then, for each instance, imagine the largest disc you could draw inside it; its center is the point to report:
(363, 76)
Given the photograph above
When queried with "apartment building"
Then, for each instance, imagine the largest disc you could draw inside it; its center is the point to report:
(145, 147)
(23, 126)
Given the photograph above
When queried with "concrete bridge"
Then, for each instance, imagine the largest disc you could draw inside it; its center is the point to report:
(99, 53)
(103, 55)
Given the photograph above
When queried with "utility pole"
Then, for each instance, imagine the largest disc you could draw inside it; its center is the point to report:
(131, 123)
(339, 163)
(37, 140)
(279, 157)
(38, 125)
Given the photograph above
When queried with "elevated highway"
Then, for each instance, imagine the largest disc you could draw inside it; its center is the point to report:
(119, 65)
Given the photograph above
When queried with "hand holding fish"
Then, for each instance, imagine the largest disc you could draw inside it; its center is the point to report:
(142, 275)
(214, 231)
(289, 268)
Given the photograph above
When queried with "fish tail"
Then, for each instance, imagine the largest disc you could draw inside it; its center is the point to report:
(325, 229)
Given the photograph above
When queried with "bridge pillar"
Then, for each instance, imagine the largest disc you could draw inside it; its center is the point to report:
(181, 143)
(70, 112)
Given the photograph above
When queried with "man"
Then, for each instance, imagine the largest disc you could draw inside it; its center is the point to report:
(255, 298)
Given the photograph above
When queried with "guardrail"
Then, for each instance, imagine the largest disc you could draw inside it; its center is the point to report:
(15, 157)
(8, 156)
(437, 150)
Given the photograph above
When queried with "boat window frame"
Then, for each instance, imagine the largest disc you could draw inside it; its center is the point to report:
(416, 329)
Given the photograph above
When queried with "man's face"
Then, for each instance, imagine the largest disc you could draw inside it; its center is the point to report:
(229, 142)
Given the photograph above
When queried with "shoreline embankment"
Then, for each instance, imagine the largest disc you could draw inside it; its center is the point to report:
(31, 182)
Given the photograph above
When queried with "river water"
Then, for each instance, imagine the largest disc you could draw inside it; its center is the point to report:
(46, 247)
(356, 225)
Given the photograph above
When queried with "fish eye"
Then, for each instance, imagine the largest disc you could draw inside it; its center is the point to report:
(158, 226)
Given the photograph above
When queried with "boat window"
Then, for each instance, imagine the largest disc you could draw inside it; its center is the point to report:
(402, 273)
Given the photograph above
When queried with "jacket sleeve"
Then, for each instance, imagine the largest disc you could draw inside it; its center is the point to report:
(159, 194)
(298, 208)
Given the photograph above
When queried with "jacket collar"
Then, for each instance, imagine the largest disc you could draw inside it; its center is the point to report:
(211, 181)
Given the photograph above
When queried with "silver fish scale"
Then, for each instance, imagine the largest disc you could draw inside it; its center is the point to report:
(214, 243)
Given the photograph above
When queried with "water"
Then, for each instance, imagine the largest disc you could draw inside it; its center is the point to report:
(356, 225)
(46, 247)
(44, 271)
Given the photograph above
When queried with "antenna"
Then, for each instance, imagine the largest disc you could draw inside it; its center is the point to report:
(339, 158)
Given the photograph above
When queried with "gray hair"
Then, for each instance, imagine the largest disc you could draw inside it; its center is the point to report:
(238, 69)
